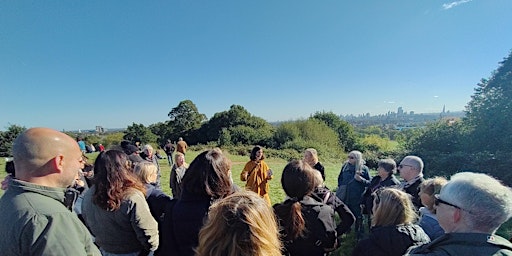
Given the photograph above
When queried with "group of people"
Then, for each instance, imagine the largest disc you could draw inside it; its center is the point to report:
(124, 212)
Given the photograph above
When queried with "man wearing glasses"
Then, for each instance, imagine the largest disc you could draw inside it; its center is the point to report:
(470, 208)
(411, 171)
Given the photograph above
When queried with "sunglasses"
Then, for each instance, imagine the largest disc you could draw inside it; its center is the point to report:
(351, 157)
(402, 165)
(438, 201)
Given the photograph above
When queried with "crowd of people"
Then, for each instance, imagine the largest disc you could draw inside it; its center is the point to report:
(58, 204)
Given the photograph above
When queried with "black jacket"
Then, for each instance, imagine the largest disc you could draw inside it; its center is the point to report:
(391, 240)
(320, 225)
(376, 183)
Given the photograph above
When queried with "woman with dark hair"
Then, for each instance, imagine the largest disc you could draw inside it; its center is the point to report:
(307, 226)
(257, 174)
(207, 179)
(115, 209)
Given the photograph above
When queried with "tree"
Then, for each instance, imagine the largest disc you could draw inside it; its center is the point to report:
(489, 113)
(344, 129)
(185, 118)
(138, 132)
(8, 137)
(233, 124)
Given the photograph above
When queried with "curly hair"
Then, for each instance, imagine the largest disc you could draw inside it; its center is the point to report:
(113, 179)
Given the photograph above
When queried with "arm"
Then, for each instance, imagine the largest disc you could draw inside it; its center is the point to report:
(143, 222)
(41, 235)
(346, 216)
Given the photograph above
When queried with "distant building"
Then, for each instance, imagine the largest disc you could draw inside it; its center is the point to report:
(100, 129)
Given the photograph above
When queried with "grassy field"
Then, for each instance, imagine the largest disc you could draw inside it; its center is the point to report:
(276, 192)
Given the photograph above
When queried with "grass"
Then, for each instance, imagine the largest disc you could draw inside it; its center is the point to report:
(276, 192)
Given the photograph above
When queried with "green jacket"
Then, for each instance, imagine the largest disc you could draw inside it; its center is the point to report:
(34, 221)
(464, 244)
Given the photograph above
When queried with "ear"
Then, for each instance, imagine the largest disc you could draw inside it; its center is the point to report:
(456, 215)
(58, 163)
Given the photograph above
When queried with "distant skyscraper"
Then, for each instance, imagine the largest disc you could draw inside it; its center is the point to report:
(400, 111)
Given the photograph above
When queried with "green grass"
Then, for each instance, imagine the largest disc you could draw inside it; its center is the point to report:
(276, 192)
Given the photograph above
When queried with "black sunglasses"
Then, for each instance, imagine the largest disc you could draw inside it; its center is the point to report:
(438, 201)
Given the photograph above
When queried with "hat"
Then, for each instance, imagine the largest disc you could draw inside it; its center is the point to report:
(130, 149)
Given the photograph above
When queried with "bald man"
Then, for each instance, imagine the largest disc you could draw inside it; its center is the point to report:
(33, 217)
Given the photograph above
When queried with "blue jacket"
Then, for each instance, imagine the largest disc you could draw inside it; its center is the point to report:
(355, 189)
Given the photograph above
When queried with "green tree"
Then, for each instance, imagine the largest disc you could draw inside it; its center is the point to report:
(185, 118)
(345, 130)
(233, 124)
(489, 113)
(8, 137)
(139, 132)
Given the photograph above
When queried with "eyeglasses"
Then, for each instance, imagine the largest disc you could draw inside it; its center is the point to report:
(402, 165)
(438, 201)
(351, 157)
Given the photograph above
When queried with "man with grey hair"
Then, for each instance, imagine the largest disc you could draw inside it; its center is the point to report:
(34, 213)
(470, 208)
(411, 171)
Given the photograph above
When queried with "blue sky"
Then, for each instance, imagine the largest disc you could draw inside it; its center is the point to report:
(77, 64)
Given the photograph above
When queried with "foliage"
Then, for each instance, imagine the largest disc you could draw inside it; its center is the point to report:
(185, 118)
(236, 126)
(8, 137)
(482, 141)
(489, 112)
(113, 139)
(346, 135)
(139, 132)
(311, 133)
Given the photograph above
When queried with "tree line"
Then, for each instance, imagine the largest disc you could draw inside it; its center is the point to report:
(481, 141)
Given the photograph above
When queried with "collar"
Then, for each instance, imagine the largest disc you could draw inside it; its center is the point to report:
(20, 186)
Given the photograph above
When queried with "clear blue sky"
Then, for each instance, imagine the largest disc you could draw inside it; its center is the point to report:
(77, 64)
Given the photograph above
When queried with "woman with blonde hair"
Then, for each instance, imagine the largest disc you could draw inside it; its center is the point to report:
(311, 157)
(240, 224)
(156, 198)
(177, 172)
(428, 219)
(393, 229)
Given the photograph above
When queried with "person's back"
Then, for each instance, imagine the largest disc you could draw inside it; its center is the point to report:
(181, 146)
(35, 219)
(474, 244)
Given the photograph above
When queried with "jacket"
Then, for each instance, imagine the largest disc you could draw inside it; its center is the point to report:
(355, 189)
(474, 244)
(256, 173)
(182, 222)
(375, 184)
(324, 195)
(131, 228)
(391, 240)
(157, 200)
(320, 225)
(428, 221)
(35, 221)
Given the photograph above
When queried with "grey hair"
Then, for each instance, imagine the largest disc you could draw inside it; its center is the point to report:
(147, 148)
(359, 159)
(485, 201)
(415, 161)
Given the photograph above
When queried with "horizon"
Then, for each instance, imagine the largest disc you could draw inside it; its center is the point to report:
(66, 63)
